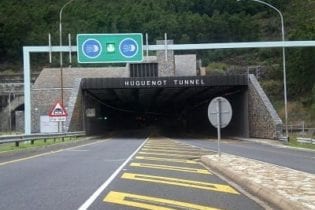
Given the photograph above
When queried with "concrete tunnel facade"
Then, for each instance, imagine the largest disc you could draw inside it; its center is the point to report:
(170, 103)
(166, 91)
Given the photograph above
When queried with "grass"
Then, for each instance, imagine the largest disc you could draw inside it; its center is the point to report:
(294, 143)
(8, 147)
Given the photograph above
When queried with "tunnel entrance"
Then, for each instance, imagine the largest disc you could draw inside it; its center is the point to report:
(172, 104)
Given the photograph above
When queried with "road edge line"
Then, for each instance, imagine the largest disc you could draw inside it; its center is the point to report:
(96, 194)
(45, 154)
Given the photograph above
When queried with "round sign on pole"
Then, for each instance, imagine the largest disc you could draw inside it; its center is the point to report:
(225, 110)
(128, 48)
(92, 48)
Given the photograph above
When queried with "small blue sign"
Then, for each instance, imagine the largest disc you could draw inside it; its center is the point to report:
(91, 48)
(128, 48)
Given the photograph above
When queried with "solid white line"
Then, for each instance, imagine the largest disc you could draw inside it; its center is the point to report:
(93, 197)
(77, 150)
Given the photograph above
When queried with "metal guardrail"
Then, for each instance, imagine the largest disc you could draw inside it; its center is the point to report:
(305, 140)
(284, 138)
(34, 137)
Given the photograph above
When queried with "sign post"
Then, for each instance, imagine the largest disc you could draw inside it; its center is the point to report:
(110, 48)
(220, 115)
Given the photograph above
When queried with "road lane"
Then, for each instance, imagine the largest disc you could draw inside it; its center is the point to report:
(63, 179)
(295, 159)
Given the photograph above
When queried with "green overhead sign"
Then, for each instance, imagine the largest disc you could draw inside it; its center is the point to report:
(110, 48)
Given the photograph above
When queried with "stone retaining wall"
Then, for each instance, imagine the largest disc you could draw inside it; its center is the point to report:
(264, 121)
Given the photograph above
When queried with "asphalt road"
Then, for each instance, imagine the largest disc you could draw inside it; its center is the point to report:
(62, 179)
(291, 158)
(117, 173)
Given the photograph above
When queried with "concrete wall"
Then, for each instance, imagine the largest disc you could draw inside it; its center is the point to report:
(5, 114)
(264, 121)
(166, 63)
(75, 117)
(46, 92)
(185, 65)
(19, 121)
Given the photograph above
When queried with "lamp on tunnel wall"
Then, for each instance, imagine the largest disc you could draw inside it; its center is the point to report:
(283, 61)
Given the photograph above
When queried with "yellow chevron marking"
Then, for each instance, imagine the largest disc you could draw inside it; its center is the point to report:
(180, 182)
(176, 151)
(162, 145)
(171, 168)
(148, 202)
(166, 159)
(169, 155)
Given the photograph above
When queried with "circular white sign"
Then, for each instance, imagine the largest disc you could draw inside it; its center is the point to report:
(222, 105)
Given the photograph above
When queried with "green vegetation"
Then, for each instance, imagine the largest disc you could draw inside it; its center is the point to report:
(294, 143)
(27, 22)
(39, 143)
(216, 68)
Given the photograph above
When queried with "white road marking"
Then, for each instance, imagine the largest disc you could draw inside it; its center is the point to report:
(77, 150)
(93, 197)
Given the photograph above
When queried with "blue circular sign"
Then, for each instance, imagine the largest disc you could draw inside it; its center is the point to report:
(128, 48)
(91, 48)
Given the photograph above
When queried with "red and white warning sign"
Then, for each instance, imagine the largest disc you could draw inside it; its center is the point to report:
(58, 113)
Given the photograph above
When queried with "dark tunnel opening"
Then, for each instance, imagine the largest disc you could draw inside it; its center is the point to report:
(173, 111)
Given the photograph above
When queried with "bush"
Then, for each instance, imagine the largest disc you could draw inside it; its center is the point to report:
(273, 89)
(216, 69)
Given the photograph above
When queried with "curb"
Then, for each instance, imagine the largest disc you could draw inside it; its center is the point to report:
(265, 193)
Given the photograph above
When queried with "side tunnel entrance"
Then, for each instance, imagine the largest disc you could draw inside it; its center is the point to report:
(174, 105)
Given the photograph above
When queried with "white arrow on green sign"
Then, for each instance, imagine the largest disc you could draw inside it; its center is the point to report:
(110, 48)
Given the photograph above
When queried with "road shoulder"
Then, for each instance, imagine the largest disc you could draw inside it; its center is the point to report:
(23, 153)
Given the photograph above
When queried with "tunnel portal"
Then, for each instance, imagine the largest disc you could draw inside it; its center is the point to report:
(166, 91)
(172, 104)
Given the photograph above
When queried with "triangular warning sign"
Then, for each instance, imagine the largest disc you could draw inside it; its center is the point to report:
(58, 111)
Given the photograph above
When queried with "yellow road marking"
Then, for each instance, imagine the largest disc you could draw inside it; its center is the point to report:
(170, 147)
(168, 154)
(45, 154)
(161, 141)
(161, 145)
(148, 202)
(180, 182)
(171, 168)
(166, 159)
(31, 157)
(176, 151)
